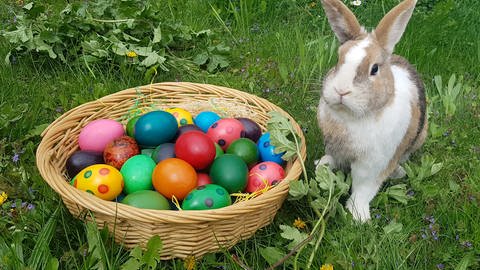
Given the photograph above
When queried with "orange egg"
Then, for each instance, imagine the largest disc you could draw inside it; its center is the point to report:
(101, 180)
(174, 177)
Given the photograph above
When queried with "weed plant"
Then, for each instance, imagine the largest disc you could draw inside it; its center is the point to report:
(279, 50)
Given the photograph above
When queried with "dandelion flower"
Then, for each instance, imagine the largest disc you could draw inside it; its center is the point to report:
(299, 223)
(132, 54)
(3, 197)
(356, 3)
(326, 266)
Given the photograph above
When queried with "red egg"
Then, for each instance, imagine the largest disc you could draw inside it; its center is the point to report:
(225, 131)
(119, 150)
(203, 179)
(196, 148)
(263, 174)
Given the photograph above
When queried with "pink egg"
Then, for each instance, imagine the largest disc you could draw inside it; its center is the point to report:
(225, 131)
(98, 133)
(263, 174)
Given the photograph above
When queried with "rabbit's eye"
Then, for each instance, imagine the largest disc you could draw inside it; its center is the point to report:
(374, 70)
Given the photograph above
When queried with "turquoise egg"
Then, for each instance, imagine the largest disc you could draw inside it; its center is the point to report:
(207, 197)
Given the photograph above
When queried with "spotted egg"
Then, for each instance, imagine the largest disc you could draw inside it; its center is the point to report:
(264, 174)
(101, 180)
(225, 131)
(182, 116)
(207, 197)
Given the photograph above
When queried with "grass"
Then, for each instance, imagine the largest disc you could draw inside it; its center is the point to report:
(280, 51)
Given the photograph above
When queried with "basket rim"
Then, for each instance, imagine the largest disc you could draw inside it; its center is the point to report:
(119, 210)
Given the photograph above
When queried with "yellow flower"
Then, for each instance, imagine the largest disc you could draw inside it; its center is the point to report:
(132, 54)
(299, 223)
(326, 266)
(3, 197)
(189, 263)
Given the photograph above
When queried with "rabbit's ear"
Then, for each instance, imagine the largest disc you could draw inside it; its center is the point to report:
(344, 24)
(391, 27)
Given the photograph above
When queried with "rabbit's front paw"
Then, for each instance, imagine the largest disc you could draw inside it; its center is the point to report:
(359, 210)
(326, 160)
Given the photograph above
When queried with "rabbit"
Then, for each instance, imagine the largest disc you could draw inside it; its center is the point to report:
(372, 109)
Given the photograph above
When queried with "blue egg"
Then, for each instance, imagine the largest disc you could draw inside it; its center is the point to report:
(266, 150)
(155, 128)
(205, 119)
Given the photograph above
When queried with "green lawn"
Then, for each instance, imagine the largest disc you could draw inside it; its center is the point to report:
(278, 50)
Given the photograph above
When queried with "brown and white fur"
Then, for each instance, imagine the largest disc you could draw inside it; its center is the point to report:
(372, 111)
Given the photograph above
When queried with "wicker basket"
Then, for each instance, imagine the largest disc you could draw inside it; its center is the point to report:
(183, 233)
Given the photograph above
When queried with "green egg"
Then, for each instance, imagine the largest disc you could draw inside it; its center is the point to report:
(131, 126)
(218, 150)
(207, 197)
(230, 172)
(137, 173)
(147, 199)
(245, 149)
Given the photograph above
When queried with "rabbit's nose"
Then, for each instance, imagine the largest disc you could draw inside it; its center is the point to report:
(342, 93)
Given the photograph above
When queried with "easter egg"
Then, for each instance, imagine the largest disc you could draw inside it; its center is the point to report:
(207, 197)
(147, 151)
(230, 172)
(263, 174)
(98, 133)
(196, 148)
(137, 173)
(119, 150)
(101, 180)
(185, 129)
(79, 160)
(252, 129)
(131, 126)
(203, 179)
(155, 128)
(245, 149)
(174, 177)
(147, 199)
(267, 151)
(218, 150)
(205, 119)
(163, 151)
(225, 131)
(182, 116)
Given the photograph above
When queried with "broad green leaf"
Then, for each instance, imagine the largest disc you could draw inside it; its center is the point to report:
(152, 59)
(272, 254)
(453, 186)
(28, 6)
(438, 83)
(137, 253)
(152, 254)
(132, 264)
(319, 203)
(293, 234)
(398, 192)
(297, 190)
(7, 58)
(217, 61)
(201, 59)
(52, 264)
(393, 227)
(157, 35)
(436, 168)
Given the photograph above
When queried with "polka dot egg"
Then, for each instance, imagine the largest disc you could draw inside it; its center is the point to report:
(263, 174)
(101, 180)
(225, 131)
(183, 117)
(206, 197)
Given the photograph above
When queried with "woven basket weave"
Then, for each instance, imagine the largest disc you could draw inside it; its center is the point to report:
(183, 233)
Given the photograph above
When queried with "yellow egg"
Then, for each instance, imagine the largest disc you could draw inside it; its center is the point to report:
(183, 117)
(101, 180)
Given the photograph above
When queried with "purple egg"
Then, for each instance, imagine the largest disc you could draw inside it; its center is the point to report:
(81, 159)
(186, 128)
(252, 129)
